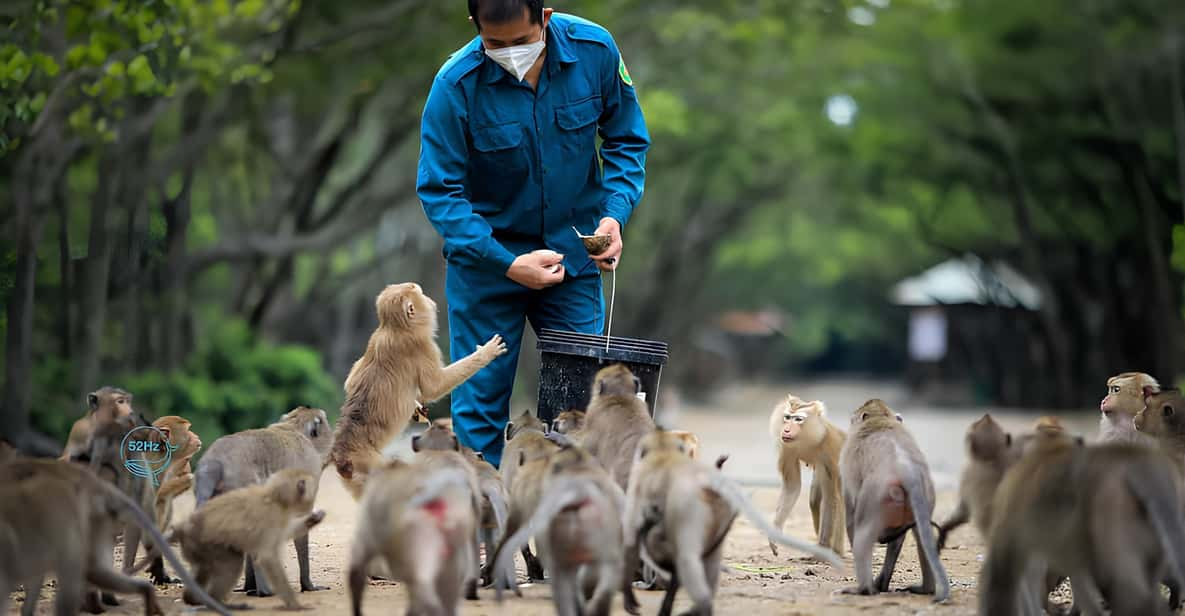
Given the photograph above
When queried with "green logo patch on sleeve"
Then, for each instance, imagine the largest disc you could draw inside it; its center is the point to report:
(623, 72)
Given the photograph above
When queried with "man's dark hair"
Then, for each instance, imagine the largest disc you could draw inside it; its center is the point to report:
(502, 11)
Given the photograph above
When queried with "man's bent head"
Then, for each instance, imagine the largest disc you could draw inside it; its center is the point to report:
(506, 23)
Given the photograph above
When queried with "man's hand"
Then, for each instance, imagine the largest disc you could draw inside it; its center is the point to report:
(608, 260)
(539, 269)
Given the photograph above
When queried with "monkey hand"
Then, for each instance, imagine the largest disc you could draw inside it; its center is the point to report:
(314, 518)
(494, 348)
(773, 547)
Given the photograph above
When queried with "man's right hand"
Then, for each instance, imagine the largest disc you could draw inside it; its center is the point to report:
(537, 270)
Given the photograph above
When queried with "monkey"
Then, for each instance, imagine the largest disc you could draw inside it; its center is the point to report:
(570, 423)
(578, 527)
(301, 439)
(1163, 418)
(524, 464)
(400, 370)
(1109, 515)
(803, 435)
(60, 517)
(678, 512)
(887, 487)
(1124, 399)
(253, 521)
(616, 419)
(104, 405)
(495, 508)
(690, 442)
(438, 447)
(989, 454)
(419, 520)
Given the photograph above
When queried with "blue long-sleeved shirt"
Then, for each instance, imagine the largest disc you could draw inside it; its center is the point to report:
(505, 169)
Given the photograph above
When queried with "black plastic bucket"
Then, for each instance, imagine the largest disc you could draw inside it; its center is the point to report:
(569, 361)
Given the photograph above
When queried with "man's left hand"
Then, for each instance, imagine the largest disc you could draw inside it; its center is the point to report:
(609, 259)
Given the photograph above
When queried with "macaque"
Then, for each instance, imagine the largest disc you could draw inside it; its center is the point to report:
(525, 461)
(569, 422)
(1163, 419)
(178, 477)
(989, 454)
(104, 405)
(690, 442)
(616, 419)
(804, 436)
(1124, 399)
(887, 488)
(400, 371)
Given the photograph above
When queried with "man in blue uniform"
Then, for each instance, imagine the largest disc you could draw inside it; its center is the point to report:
(509, 164)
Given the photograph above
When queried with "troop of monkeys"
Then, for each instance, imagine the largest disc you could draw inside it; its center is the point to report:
(609, 498)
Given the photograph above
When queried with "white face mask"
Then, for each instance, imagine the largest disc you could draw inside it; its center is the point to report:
(519, 59)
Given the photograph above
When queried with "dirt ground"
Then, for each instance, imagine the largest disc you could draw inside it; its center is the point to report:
(760, 583)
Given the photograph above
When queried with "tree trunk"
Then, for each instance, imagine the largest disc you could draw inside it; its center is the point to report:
(177, 215)
(66, 271)
(93, 304)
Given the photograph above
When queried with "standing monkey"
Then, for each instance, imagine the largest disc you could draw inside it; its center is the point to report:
(887, 489)
(1124, 399)
(803, 435)
(615, 421)
(989, 454)
(178, 477)
(104, 405)
(401, 368)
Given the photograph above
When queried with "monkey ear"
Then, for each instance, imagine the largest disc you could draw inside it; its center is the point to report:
(415, 443)
(509, 430)
(92, 401)
(1167, 411)
(601, 388)
(166, 432)
(456, 444)
(479, 455)
(863, 416)
(900, 419)
(410, 309)
(1149, 391)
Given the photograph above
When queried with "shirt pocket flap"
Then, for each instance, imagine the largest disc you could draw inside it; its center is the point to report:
(497, 137)
(578, 115)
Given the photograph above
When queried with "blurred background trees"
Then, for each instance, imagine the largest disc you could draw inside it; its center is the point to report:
(201, 199)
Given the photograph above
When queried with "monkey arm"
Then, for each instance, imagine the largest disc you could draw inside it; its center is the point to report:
(957, 518)
(791, 488)
(437, 381)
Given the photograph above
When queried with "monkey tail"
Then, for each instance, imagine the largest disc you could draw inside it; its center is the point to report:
(923, 518)
(498, 506)
(569, 492)
(162, 544)
(206, 481)
(436, 484)
(1164, 516)
(732, 493)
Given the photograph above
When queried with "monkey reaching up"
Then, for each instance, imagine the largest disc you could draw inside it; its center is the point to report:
(803, 435)
(887, 489)
(1124, 399)
(104, 405)
(255, 521)
(400, 369)
(616, 419)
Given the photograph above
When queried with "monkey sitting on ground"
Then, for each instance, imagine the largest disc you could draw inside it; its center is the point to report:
(419, 520)
(524, 464)
(578, 528)
(400, 369)
(1110, 516)
(989, 454)
(616, 419)
(678, 513)
(104, 405)
(438, 447)
(887, 488)
(59, 517)
(803, 435)
(301, 439)
(254, 521)
(1124, 399)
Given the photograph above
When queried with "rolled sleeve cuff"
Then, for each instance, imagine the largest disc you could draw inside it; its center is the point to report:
(496, 257)
(617, 208)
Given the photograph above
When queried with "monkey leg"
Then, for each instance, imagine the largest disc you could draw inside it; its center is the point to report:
(70, 589)
(273, 573)
(830, 531)
(957, 518)
(927, 585)
(471, 580)
(565, 592)
(91, 603)
(254, 584)
(787, 496)
(109, 579)
(816, 502)
(866, 526)
(534, 566)
(690, 567)
(158, 574)
(32, 595)
(302, 561)
(668, 599)
(892, 552)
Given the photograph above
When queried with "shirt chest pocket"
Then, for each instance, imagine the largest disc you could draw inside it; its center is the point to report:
(578, 124)
(498, 164)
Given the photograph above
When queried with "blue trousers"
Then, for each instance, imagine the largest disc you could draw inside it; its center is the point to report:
(481, 305)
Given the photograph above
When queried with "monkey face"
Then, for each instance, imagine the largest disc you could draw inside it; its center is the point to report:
(1125, 394)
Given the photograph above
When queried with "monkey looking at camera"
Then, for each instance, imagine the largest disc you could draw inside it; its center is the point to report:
(1124, 399)
(104, 405)
(616, 419)
(804, 436)
(887, 488)
(401, 368)
(301, 439)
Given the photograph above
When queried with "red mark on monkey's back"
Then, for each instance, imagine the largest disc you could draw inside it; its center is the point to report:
(436, 508)
(895, 509)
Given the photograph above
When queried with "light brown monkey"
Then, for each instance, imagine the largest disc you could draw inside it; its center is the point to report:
(887, 488)
(437, 448)
(616, 419)
(59, 517)
(301, 439)
(400, 369)
(104, 405)
(804, 436)
(254, 521)
(524, 464)
(1110, 516)
(495, 508)
(690, 442)
(989, 454)
(177, 478)
(678, 513)
(419, 520)
(569, 423)
(1124, 399)
(577, 525)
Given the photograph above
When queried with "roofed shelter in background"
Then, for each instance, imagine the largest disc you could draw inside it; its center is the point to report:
(973, 332)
